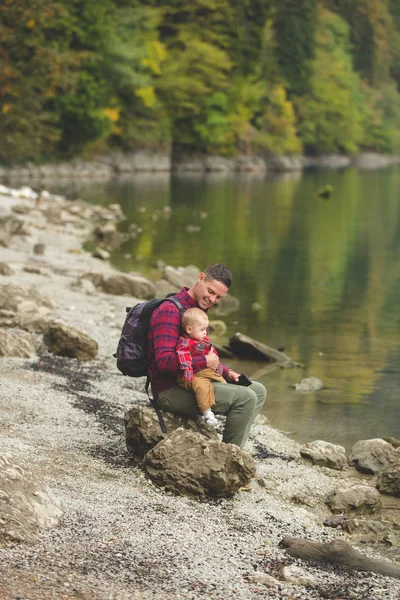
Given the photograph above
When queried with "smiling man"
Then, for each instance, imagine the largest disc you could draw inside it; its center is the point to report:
(240, 404)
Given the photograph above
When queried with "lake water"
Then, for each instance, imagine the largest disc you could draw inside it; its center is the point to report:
(325, 274)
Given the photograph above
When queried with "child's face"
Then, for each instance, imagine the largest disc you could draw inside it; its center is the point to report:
(198, 330)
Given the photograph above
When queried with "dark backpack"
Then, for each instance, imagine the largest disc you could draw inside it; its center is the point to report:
(131, 355)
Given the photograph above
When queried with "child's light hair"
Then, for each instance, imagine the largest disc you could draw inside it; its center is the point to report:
(192, 316)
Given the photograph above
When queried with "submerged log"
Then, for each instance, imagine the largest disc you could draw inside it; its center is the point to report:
(338, 552)
(247, 347)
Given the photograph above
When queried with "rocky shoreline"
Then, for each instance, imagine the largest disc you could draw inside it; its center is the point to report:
(80, 518)
(114, 164)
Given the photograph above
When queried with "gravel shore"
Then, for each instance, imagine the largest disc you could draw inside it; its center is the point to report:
(121, 537)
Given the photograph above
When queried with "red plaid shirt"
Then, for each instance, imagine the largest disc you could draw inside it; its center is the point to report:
(187, 348)
(164, 332)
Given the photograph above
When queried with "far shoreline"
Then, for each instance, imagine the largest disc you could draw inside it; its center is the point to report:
(144, 162)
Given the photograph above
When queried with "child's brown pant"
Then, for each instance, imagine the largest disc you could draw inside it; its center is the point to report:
(202, 388)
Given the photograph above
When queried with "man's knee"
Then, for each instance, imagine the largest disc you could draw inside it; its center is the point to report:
(261, 393)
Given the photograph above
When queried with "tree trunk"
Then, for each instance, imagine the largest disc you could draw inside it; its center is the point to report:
(338, 552)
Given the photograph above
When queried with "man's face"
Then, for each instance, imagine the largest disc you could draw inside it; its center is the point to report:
(208, 292)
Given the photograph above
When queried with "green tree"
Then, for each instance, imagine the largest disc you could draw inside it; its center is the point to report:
(295, 25)
(196, 64)
(331, 116)
(36, 63)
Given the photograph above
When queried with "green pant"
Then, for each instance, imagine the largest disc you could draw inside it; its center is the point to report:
(240, 404)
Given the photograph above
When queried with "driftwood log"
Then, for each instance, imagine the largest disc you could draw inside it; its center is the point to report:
(246, 347)
(340, 553)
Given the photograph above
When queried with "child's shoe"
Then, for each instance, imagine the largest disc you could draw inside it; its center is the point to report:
(209, 418)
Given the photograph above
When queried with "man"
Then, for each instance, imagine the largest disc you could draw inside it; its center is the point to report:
(240, 404)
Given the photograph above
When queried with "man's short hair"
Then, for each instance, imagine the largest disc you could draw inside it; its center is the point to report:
(219, 272)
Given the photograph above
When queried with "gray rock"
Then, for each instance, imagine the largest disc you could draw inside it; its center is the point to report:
(101, 253)
(328, 161)
(16, 343)
(39, 249)
(8, 318)
(132, 285)
(164, 287)
(12, 295)
(372, 530)
(186, 462)
(218, 327)
(184, 163)
(226, 306)
(389, 481)
(325, 453)
(5, 269)
(372, 160)
(108, 236)
(151, 161)
(285, 163)
(219, 164)
(174, 276)
(309, 385)
(84, 285)
(372, 456)
(361, 499)
(64, 340)
(9, 225)
(245, 162)
(26, 506)
(297, 576)
(143, 431)
(181, 276)
(263, 578)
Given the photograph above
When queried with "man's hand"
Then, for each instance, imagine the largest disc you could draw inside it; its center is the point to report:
(232, 375)
(212, 360)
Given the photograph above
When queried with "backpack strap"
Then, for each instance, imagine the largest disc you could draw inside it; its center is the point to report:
(153, 401)
(156, 407)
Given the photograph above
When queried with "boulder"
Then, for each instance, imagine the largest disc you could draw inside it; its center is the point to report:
(181, 276)
(9, 225)
(5, 269)
(108, 236)
(226, 306)
(29, 316)
(64, 340)
(284, 163)
(360, 499)
(26, 505)
(101, 253)
(309, 385)
(218, 327)
(164, 287)
(297, 576)
(143, 431)
(325, 454)
(389, 481)
(12, 295)
(16, 343)
(132, 285)
(185, 462)
(373, 456)
(246, 162)
(371, 530)
(174, 277)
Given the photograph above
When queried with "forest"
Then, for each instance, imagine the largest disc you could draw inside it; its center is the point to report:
(268, 77)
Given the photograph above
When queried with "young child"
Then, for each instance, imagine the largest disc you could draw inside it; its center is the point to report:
(194, 341)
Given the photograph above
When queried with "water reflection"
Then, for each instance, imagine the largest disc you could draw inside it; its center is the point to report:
(326, 274)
